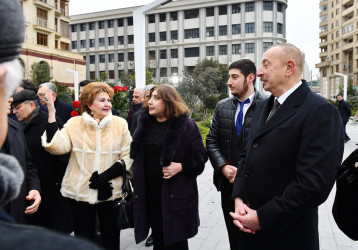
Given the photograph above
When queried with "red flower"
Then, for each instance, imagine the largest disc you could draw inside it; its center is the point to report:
(76, 104)
(120, 89)
(74, 113)
(125, 88)
(116, 89)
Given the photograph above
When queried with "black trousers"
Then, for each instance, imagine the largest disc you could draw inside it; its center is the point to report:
(84, 219)
(228, 205)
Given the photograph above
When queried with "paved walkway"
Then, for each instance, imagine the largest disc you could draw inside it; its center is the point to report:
(212, 232)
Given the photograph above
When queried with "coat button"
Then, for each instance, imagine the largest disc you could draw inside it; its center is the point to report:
(171, 196)
(255, 145)
(247, 174)
(136, 196)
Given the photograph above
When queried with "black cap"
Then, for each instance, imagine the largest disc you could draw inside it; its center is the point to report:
(12, 29)
(24, 95)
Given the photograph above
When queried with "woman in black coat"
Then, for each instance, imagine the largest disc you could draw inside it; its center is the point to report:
(168, 155)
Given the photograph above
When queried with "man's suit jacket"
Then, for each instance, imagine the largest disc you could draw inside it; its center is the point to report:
(289, 168)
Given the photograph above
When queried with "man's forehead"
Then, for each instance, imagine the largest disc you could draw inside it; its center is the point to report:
(43, 89)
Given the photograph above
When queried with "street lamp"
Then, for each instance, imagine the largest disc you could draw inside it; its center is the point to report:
(345, 81)
(139, 39)
(75, 82)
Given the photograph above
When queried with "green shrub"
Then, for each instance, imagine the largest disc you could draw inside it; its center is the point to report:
(204, 132)
(223, 96)
(210, 102)
(197, 116)
(206, 123)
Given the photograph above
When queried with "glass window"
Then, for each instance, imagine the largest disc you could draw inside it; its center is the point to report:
(130, 39)
(223, 30)
(174, 35)
(91, 25)
(210, 51)
(102, 58)
(250, 7)
(222, 50)
(279, 7)
(210, 31)
(163, 72)
(210, 11)
(120, 40)
(173, 16)
(129, 21)
(110, 41)
(191, 52)
(279, 28)
(101, 42)
(110, 57)
(120, 22)
(174, 53)
(236, 49)
(74, 28)
(91, 43)
(236, 8)
(249, 48)
(162, 17)
(151, 54)
(83, 44)
(42, 39)
(74, 45)
(151, 18)
(223, 10)
(174, 70)
(267, 45)
(151, 37)
(163, 36)
(92, 75)
(189, 14)
(111, 74)
(191, 33)
(249, 28)
(110, 23)
(120, 57)
(101, 24)
(163, 54)
(83, 27)
(268, 26)
(92, 59)
(131, 56)
(236, 29)
(268, 5)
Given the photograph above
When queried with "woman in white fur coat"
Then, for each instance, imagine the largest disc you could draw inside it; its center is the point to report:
(97, 142)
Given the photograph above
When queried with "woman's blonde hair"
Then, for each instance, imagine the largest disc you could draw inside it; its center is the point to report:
(89, 93)
(174, 103)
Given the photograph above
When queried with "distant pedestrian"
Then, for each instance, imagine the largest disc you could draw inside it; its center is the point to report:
(137, 102)
(345, 112)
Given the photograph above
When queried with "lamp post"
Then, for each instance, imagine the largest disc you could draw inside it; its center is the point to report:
(75, 82)
(345, 81)
(139, 39)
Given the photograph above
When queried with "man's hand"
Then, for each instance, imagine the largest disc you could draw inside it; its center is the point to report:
(245, 218)
(229, 172)
(172, 170)
(50, 106)
(35, 197)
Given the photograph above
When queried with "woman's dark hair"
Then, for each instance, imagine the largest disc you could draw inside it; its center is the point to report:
(89, 93)
(175, 105)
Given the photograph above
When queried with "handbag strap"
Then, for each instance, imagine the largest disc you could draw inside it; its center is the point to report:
(124, 177)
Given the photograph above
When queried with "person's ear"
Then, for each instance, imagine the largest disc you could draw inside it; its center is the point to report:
(290, 67)
(250, 78)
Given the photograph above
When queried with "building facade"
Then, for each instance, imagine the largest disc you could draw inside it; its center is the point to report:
(339, 44)
(47, 40)
(179, 35)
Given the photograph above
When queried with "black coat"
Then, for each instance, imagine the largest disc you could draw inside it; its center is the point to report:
(289, 170)
(63, 110)
(344, 110)
(51, 169)
(15, 145)
(183, 144)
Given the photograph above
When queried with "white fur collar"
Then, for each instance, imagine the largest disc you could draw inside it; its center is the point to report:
(90, 121)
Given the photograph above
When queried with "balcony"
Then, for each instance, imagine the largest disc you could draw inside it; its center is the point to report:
(46, 4)
(57, 10)
(43, 25)
(348, 47)
(348, 11)
(347, 2)
(323, 34)
(323, 54)
(323, 44)
(326, 63)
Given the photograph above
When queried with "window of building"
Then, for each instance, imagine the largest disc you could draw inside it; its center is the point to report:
(337, 68)
(236, 49)
(130, 39)
(174, 53)
(129, 21)
(91, 25)
(268, 5)
(337, 45)
(210, 31)
(91, 43)
(223, 30)
(163, 72)
(191, 33)
(131, 56)
(210, 11)
(111, 74)
(42, 39)
(249, 28)
(110, 41)
(151, 18)
(236, 8)
(191, 52)
(120, 40)
(173, 16)
(42, 14)
(73, 45)
(210, 51)
(56, 44)
(280, 7)
(101, 25)
(190, 69)
(120, 57)
(120, 22)
(74, 28)
(174, 70)
(110, 57)
(250, 7)
(83, 27)
(249, 48)
(101, 42)
(83, 44)
(102, 73)
(92, 75)
(163, 36)
(151, 54)
(162, 17)
(92, 59)
(222, 50)
(223, 10)
(102, 58)
(236, 29)
(337, 33)
(65, 46)
(65, 29)
(267, 45)
(337, 11)
(174, 35)
(189, 14)
(268, 26)
(279, 28)
(151, 37)
(163, 54)
(110, 23)
(337, 56)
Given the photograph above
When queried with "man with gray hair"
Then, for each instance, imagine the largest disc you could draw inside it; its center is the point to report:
(63, 110)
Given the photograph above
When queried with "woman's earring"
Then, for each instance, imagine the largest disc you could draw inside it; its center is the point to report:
(91, 112)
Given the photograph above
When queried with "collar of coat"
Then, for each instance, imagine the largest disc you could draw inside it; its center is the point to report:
(173, 136)
(91, 122)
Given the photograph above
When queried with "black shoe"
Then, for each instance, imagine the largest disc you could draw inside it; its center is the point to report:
(149, 241)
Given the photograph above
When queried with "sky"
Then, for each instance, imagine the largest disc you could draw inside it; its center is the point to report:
(302, 20)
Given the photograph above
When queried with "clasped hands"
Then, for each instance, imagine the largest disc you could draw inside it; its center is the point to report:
(171, 170)
(245, 218)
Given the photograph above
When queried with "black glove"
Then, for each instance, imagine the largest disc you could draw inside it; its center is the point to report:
(99, 181)
(104, 193)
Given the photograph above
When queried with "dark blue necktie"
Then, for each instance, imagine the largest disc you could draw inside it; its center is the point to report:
(240, 116)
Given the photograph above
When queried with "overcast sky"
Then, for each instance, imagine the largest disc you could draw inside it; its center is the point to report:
(302, 21)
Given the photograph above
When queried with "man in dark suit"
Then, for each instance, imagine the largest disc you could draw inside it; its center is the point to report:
(345, 112)
(294, 149)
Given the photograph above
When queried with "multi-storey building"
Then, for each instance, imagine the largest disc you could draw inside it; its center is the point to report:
(48, 40)
(339, 44)
(179, 35)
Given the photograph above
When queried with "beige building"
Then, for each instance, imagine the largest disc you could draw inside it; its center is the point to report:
(48, 40)
(339, 44)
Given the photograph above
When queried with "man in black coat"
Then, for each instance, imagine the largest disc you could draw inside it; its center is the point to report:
(54, 211)
(294, 149)
(228, 135)
(345, 112)
(137, 101)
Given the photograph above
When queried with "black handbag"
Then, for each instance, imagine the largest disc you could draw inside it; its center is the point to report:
(345, 206)
(123, 207)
